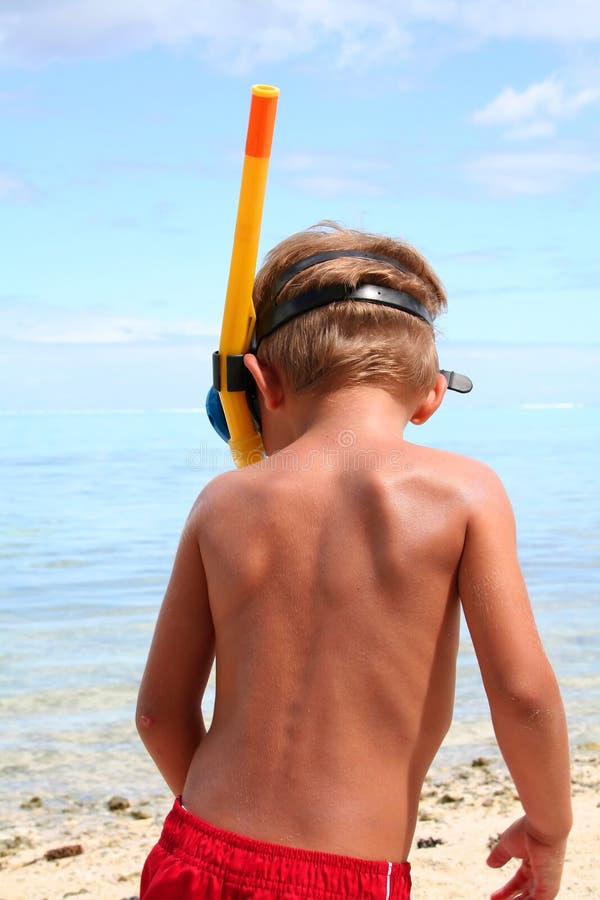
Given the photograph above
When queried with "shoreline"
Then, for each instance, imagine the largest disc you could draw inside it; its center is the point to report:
(463, 808)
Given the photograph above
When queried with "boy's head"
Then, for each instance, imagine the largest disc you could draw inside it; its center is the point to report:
(352, 342)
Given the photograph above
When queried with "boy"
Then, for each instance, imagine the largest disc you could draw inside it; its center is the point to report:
(327, 582)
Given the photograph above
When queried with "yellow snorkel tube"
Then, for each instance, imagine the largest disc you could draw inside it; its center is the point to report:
(239, 316)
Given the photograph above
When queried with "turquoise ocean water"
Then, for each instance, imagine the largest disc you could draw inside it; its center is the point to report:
(92, 507)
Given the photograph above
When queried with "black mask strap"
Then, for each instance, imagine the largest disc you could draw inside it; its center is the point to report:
(324, 256)
(273, 318)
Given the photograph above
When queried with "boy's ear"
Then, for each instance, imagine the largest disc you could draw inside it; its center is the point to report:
(268, 381)
(428, 406)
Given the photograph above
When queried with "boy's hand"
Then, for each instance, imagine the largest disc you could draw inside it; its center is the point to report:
(538, 877)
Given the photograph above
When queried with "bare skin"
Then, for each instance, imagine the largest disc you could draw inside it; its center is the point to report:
(327, 583)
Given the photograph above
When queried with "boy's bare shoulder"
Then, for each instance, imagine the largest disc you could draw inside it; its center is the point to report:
(474, 479)
(448, 459)
(226, 492)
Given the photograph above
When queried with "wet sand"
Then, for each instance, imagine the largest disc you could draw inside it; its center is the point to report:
(463, 809)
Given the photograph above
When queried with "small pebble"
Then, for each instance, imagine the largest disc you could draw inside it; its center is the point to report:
(428, 842)
(118, 803)
(140, 814)
(32, 803)
(11, 842)
(63, 852)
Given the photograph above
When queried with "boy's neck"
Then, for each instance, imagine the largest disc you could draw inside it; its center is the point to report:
(363, 410)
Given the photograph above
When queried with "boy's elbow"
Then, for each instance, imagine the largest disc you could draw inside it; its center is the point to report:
(143, 722)
(530, 701)
(152, 720)
(152, 729)
(146, 718)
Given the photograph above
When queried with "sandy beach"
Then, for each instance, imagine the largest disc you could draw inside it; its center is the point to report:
(462, 810)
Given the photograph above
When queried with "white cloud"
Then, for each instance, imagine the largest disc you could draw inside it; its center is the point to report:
(32, 322)
(559, 21)
(236, 34)
(538, 129)
(537, 110)
(232, 34)
(14, 189)
(546, 98)
(532, 173)
(327, 186)
(332, 175)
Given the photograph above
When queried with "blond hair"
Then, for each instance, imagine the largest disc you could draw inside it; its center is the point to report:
(351, 342)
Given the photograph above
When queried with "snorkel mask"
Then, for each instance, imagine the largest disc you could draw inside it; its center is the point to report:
(273, 316)
(232, 404)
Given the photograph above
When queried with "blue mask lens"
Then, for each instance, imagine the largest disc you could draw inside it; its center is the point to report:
(216, 416)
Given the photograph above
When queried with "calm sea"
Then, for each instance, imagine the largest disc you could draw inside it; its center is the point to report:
(92, 506)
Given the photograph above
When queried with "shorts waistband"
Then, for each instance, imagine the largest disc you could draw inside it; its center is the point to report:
(311, 873)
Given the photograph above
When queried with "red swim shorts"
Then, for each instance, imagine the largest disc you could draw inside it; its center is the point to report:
(196, 860)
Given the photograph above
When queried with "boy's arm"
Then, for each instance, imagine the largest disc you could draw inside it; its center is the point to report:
(169, 715)
(523, 694)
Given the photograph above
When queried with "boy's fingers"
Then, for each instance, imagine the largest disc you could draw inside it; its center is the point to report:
(513, 888)
(498, 857)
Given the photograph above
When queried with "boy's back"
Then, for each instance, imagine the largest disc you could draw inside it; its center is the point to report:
(332, 582)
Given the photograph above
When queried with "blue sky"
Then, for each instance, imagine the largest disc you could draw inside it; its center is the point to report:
(471, 129)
